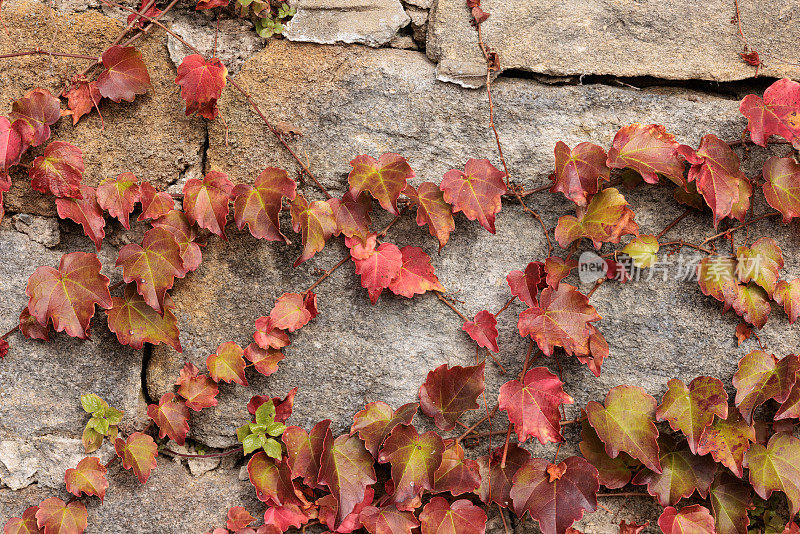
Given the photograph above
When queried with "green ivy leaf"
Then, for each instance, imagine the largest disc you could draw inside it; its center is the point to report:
(272, 448)
(253, 442)
(265, 413)
(92, 403)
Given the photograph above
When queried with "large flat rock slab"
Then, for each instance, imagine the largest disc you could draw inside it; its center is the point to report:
(693, 40)
(352, 100)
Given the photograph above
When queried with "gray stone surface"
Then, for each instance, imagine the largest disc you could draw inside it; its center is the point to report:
(352, 100)
(672, 40)
(43, 230)
(369, 22)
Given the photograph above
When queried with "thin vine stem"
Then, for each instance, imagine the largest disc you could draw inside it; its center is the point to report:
(743, 225)
(675, 221)
(326, 274)
(451, 306)
(477, 423)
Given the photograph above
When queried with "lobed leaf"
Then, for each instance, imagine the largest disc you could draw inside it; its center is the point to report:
(387, 520)
(525, 285)
(761, 377)
(384, 178)
(782, 186)
(533, 403)
(201, 83)
(579, 171)
(36, 111)
(315, 222)
(12, 146)
(774, 114)
(414, 459)
(378, 267)
(136, 323)
(199, 391)
(88, 477)
(642, 251)
(86, 212)
(717, 278)
(615, 472)
(495, 479)
(448, 392)
(693, 519)
(155, 203)
(460, 517)
(59, 171)
(416, 275)
(227, 364)
(258, 205)
(691, 409)
(267, 336)
(456, 474)
(647, 149)
(265, 361)
(138, 453)
(752, 304)
(352, 215)
(776, 467)
(556, 269)
(304, 450)
(727, 440)
(206, 202)
(476, 191)
(118, 196)
(54, 516)
(82, 96)
(23, 525)
(483, 330)
(377, 420)
(125, 75)
(605, 220)
(730, 502)
(176, 223)
(346, 467)
(432, 210)
(290, 312)
(172, 417)
(760, 263)
(787, 294)
(272, 480)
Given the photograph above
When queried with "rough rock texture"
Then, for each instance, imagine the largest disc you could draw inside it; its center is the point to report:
(369, 22)
(150, 137)
(352, 100)
(43, 230)
(41, 418)
(672, 40)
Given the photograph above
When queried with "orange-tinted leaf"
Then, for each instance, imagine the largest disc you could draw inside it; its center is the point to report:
(12, 145)
(352, 215)
(201, 84)
(38, 110)
(715, 170)
(176, 223)
(125, 75)
(268, 336)
(414, 459)
(461, 517)
(284, 517)
(328, 508)
(82, 96)
(579, 171)
(206, 202)
(483, 330)
(377, 420)
(556, 503)
(776, 467)
(448, 392)
(58, 171)
(199, 391)
(304, 450)
(138, 453)
(238, 518)
(155, 203)
(496, 480)
(258, 205)
(476, 191)
(782, 186)
(630, 528)
(561, 319)
(378, 267)
(118, 196)
(272, 480)
(526, 285)
(605, 220)
(57, 517)
(694, 519)
(25, 524)
(647, 149)
(752, 304)
(172, 417)
(432, 210)
(387, 520)
(86, 212)
(265, 361)
(727, 440)
(778, 113)
(416, 274)
(761, 377)
(626, 424)
(730, 502)
(346, 467)
(153, 265)
(760, 263)
(227, 364)
(456, 474)
(384, 178)
(290, 312)
(691, 409)
(717, 278)
(681, 474)
(31, 328)
(557, 269)
(315, 222)
(67, 296)
(787, 294)
(533, 405)
(614, 472)
(88, 477)
(136, 323)
(138, 21)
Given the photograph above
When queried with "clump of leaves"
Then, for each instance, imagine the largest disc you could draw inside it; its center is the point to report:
(260, 433)
(102, 423)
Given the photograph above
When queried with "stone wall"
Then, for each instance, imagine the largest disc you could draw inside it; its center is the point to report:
(377, 79)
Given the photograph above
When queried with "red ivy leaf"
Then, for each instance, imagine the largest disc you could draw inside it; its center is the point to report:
(346, 467)
(557, 269)
(782, 186)
(605, 220)
(137, 21)
(761, 377)
(25, 524)
(448, 392)
(384, 178)
(752, 304)
(456, 474)
(727, 440)
(268, 336)
(378, 267)
(272, 480)
(4, 347)
(206, 203)
(416, 275)
(82, 96)
(58, 171)
(614, 472)
(86, 212)
(125, 75)
(778, 113)
(730, 502)
(258, 205)
(776, 467)
(290, 312)
(533, 405)
(38, 110)
(556, 503)
(304, 450)
(31, 328)
(136, 323)
(693, 519)
(387, 520)
(483, 330)
(238, 518)
(265, 361)
(199, 391)
(526, 285)
(201, 83)
(176, 223)
(56, 517)
(67, 296)
(12, 145)
(579, 171)
(155, 203)
(284, 517)
(139, 453)
(227, 364)
(153, 265)
(315, 222)
(172, 417)
(760, 263)
(649, 150)
(118, 196)
(625, 424)
(414, 459)
(496, 480)
(787, 294)
(475, 191)
(691, 409)
(352, 215)
(561, 319)
(432, 210)
(716, 276)
(461, 517)
(377, 420)
(88, 477)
